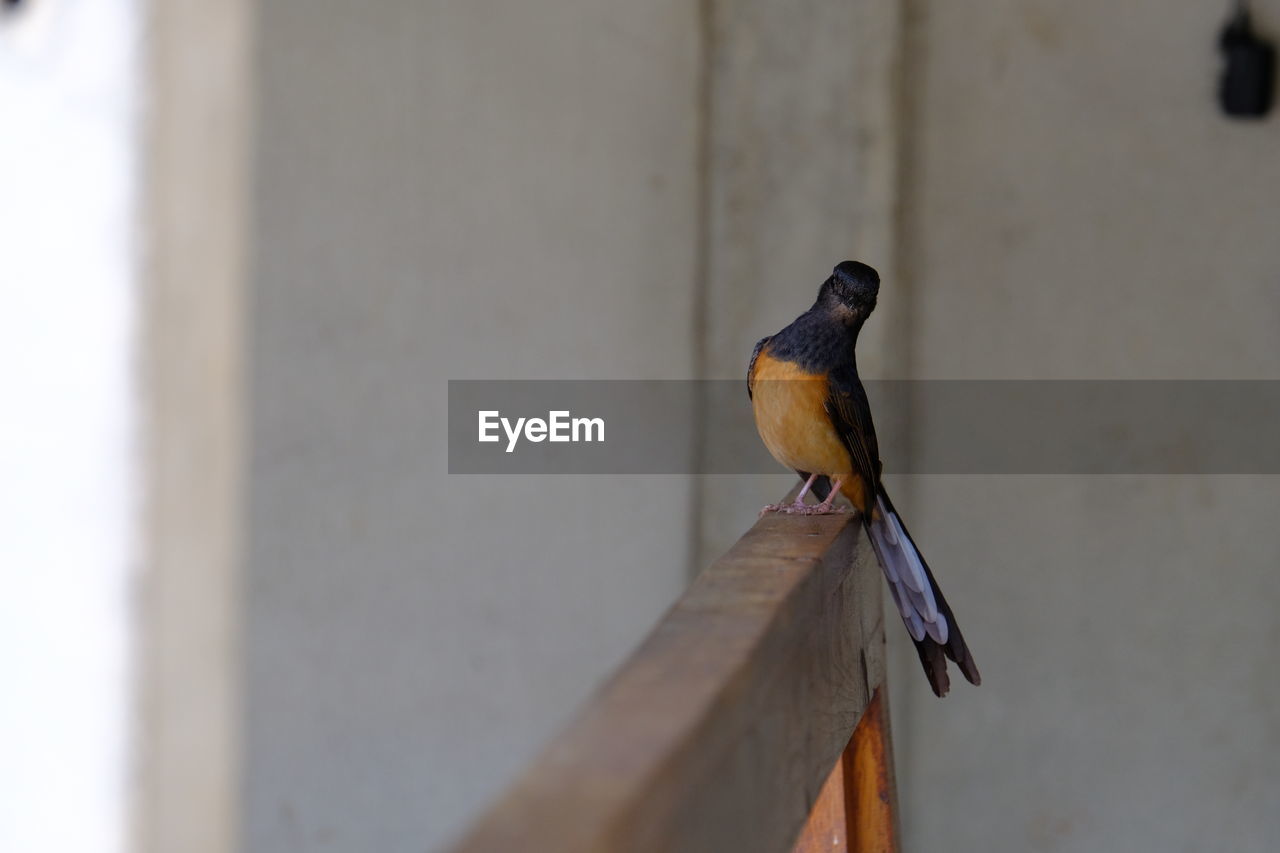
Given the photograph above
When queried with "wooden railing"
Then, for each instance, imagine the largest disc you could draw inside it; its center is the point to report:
(753, 717)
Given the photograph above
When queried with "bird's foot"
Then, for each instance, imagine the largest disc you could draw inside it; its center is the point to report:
(796, 508)
(802, 508)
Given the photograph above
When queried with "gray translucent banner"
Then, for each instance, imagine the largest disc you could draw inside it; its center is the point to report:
(924, 427)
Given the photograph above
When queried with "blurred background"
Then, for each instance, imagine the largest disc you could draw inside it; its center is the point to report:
(286, 627)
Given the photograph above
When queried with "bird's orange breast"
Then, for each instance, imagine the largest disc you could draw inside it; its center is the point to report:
(789, 406)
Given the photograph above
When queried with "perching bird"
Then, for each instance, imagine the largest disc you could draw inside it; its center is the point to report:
(812, 413)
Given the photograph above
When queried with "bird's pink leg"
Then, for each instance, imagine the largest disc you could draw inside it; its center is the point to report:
(798, 506)
(804, 490)
(828, 506)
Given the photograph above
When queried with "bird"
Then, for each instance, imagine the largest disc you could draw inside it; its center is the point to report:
(813, 415)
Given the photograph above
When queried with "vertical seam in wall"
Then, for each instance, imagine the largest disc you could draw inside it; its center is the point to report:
(256, 106)
(700, 319)
(904, 83)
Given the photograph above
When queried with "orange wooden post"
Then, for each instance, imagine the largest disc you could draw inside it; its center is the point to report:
(856, 810)
(826, 828)
(872, 796)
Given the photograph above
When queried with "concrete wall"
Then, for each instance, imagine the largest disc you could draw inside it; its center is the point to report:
(488, 190)
(1076, 207)
(450, 190)
(499, 189)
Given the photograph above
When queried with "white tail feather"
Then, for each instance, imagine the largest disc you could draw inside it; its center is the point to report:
(915, 577)
(941, 631)
(925, 604)
(887, 554)
(908, 581)
(889, 531)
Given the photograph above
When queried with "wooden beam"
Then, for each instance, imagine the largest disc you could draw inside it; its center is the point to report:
(718, 733)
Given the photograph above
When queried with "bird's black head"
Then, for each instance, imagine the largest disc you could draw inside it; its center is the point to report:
(850, 292)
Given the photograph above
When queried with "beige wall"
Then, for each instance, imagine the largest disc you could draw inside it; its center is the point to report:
(1077, 208)
(444, 191)
(490, 190)
(461, 190)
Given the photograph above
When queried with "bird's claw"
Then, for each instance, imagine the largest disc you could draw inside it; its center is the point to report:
(801, 508)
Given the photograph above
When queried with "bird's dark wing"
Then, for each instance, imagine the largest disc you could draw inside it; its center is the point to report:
(850, 413)
(751, 365)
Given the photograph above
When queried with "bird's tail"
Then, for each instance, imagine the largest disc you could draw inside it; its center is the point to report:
(925, 611)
